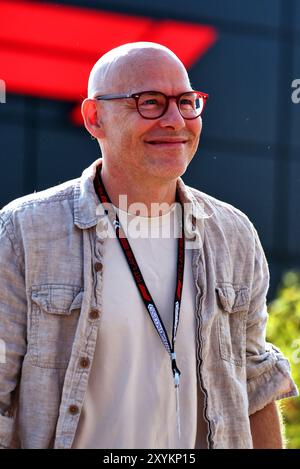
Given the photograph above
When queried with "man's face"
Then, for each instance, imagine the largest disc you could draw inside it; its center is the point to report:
(159, 149)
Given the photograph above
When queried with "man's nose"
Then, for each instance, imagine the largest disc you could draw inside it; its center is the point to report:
(172, 117)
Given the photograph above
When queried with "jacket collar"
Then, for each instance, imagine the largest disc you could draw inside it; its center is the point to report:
(192, 205)
(86, 202)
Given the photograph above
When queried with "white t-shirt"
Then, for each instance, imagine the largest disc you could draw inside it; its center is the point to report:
(130, 400)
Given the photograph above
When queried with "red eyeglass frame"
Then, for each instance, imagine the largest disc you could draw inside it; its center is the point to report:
(136, 97)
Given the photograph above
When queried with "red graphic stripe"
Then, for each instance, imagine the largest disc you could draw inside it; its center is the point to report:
(49, 27)
(47, 50)
(25, 72)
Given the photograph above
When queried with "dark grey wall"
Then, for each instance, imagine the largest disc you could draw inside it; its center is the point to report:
(249, 151)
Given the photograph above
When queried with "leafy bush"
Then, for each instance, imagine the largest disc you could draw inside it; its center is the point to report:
(284, 331)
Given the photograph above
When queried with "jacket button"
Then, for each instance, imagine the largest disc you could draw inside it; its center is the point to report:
(98, 266)
(94, 314)
(84, 362)
(73, 409)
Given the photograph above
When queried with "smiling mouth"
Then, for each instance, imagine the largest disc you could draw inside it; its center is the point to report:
(167, 142)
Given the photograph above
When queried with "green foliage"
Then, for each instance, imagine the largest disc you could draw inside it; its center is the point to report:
(284, 331)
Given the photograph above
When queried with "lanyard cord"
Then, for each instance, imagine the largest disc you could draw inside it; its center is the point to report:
(141, 284)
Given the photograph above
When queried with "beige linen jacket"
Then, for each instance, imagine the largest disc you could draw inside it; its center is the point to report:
(51, 305)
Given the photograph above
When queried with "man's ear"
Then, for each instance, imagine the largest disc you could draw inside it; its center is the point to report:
(90, 114)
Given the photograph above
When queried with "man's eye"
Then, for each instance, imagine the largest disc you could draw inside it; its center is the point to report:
(149, 102)
(187, 102)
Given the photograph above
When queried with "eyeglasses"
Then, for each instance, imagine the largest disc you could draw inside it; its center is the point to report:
(154, 104)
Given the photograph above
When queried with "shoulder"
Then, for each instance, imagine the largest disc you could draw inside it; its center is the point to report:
(41, 199)
(226, 226)
(46, 205)
(221, 212)
(231, 237)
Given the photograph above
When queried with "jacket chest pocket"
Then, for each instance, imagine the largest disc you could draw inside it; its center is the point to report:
(55, 310)
(233, 303)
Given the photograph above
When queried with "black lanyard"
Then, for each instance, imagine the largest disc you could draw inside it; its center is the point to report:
(140, 283)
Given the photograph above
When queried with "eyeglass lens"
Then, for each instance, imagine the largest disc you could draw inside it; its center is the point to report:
(154, 105)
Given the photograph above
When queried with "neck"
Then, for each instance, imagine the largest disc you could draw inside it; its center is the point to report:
(146, 197)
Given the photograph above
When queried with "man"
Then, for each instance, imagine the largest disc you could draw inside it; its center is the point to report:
(98, 352)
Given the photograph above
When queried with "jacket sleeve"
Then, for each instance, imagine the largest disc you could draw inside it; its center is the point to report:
(268, 371)
(13, 308)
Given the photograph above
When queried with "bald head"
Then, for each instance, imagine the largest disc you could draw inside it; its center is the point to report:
(123, 64)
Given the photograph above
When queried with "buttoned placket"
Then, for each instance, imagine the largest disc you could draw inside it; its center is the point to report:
(77, 374)
(198, 230)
